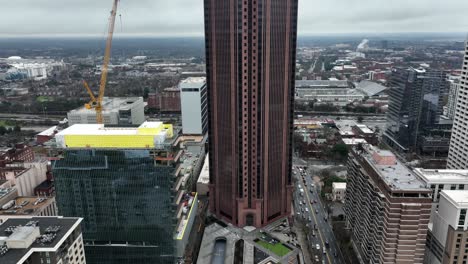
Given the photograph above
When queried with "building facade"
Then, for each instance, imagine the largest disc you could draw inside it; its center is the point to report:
(116, 111)
(458, 153)
(415, 107)
(127, 185)
(387, 207)
(167, 100)
(448, 239)
(452, 98)
(250, 58)
(194, 103)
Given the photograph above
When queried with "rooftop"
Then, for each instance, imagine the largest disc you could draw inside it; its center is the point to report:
(60, 226)
(339, 185)
(112, 104)
(321, 84)
(193, 82)
(48, 132)
(370, 88)
(353, 141)
(364, 129)
(442, 176)
(459, 198)
(26, 205)
(394, 173)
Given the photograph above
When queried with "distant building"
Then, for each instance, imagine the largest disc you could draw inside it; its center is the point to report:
(387, 207)
(116, 111)
(20, 152)
(326, 91)
(362, 131)
(25, 176)
(167, 100)
(26, 207)
(129, 185)
(40, 240)
(46, 135)
(372, 89)
(448, 238)
(338, 191)
(415, 108)
(453, 98)
(458, 154)
(194, 104)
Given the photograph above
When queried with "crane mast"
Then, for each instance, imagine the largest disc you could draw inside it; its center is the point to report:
(96, 102)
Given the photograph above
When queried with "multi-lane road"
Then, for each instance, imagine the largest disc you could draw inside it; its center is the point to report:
(309, 208)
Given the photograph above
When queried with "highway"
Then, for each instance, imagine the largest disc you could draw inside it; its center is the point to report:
(316, 218)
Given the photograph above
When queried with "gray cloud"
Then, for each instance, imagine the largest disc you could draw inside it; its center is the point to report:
(185, 17)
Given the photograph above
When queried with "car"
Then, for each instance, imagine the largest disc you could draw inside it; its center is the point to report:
(325, 218)
(307, 209)
(316, 258)
(324, 251)
(326, 243)
(310, 219)
(335, 254)
(315, 201)
(298, 213)
(316, 211)
(317, 246)
(300, 203)
(313, 232)
(311, 191)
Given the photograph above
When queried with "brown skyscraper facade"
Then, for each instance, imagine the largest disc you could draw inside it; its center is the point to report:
(250, 58)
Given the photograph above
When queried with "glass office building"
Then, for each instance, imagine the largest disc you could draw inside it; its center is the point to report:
(126, 198)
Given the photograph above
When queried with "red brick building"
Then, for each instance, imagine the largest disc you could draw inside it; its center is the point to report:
(166, 101)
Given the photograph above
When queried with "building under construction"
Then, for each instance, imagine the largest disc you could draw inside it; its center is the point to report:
(128, 185)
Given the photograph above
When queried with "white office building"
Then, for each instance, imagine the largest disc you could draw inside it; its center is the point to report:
(116, 111)
(447, 239)
(193, 96)
(439, 180)
(458, 152)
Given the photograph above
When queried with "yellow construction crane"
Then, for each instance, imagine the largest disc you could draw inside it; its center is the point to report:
(96, 102)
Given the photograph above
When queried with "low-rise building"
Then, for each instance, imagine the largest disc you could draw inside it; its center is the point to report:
(338, 191)
(25, 176)
(25, 207)
(363, 131)
(116, 111)
(167, 100)
(20, 152)
(328, 91)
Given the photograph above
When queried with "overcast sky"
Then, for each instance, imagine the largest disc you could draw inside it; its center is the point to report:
(185, 17)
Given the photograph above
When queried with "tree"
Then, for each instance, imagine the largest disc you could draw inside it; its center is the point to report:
(360, 119)
(341, 150)
(3, 130)
(17, 129)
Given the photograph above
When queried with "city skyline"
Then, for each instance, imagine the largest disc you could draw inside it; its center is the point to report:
(185, 18)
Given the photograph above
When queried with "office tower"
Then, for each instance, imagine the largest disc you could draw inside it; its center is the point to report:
(453, 97)
(128, 185)
(122, 111)
(416, 104)
(387, 207)
(40, 240)
(250, 58)
(448, 238)
(193, 96)
(439, 180)
(458, 153)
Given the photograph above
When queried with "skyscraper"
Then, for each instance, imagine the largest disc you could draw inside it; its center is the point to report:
(416, 104)
(458, 153)
(250, 59)
(387, 207)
